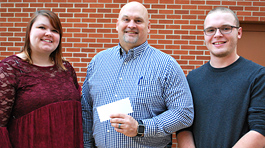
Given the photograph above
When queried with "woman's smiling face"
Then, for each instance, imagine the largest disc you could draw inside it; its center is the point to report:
(43, 37)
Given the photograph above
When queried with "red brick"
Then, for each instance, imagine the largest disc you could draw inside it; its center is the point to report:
(187, 57)
(83, 5)
(3, 49)
(96, 15)
(165, 21)
(172, 26)
(167, 1)
(203, 57)
(63, 5)
(198, 12)
(236, 8)
(196, 62)
(174, 16)
(111, 5)
(88, 30)
(196, 42)
(212, 3)
(158, 6)
(180, 52)
(157, 36)
(14, 19)
(73, 40)
(104, 1)
(152, 1)
(88, 40)
(189, 17)
(14, 9)
(14, 39)
(187, 47)
(20, 5)
(79, 64)
(89, 10)
(172, 37)
(3, 39)
(206, 10)
(181, 22)
(152, 11)
(91, 45)
(97, 6)
(196, 52)
(73, 59)
(90, 1)
(80, 45)
(73, 20)
(259, 13)
(158, 26)
(111, 16)
(103, 20)
(188, 27)
(95, 35)
(189, 7)
(7, 34)
(3, 9)
(7, 5)
(196, 2)
(251, 18)
(65, 15)
(7, 53)
(188, 37)
(165, 42)
(56, 5)
(182, 2)
(166, 12)
(181, 42)
(82, 25)
(6, 44)
(73, 30)
(180, 32)
(29, 10)
(259, 3)
(13, 49)
(7, 14)
(11, 1)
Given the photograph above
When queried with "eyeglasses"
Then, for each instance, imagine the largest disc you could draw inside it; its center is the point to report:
(225, 29)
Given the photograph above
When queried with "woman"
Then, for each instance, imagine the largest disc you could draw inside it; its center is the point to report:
(39, 93)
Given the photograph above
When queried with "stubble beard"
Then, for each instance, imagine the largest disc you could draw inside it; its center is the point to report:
(223, 53)
(129, 40)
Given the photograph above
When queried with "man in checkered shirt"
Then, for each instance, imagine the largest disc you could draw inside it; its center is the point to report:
(152, 80)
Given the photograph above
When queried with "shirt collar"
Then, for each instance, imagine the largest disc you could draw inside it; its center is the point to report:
(136, 50)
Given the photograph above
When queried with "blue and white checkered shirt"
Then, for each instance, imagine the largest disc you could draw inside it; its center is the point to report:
(157, 89)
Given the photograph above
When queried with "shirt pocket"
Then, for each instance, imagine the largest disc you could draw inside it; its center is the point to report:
(148, 91)
(148, 102)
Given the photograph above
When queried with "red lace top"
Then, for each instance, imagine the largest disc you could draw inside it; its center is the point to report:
(31, 95)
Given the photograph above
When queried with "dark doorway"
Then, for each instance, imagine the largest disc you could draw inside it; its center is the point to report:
(252, 44)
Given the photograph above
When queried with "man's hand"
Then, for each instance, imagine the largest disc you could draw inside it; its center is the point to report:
(124, 124)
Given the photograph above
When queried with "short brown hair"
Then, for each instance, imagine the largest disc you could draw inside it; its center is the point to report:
(224, 9)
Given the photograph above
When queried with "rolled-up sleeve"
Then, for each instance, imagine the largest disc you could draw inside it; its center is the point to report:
(178, 99)
(256, 110)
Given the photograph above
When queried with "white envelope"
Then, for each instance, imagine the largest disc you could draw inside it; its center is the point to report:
(121, 106)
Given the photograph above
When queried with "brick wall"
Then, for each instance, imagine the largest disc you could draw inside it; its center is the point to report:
(89, 26)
